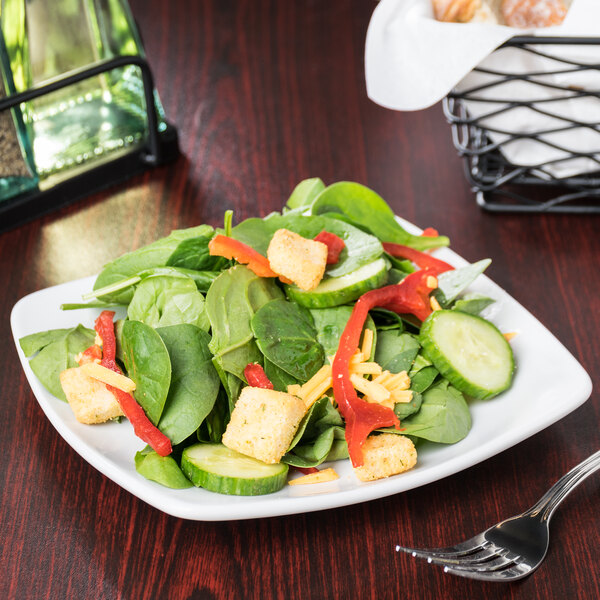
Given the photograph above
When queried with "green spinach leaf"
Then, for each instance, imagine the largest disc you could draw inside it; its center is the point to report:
(362, 205)
(305, 192)
(330, 324)
(230, 308)
(405, 409)
(161, 469)
(161, 301)
(147, 362)
(54, 351)
(153, 255)
(193, 254)
(286, 335)
(194, 381)
(452, 283)
(472, 303)
(444, 416)
(278, 377)
(396, 351)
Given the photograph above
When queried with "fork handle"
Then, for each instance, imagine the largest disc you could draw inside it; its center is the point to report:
(544, 508)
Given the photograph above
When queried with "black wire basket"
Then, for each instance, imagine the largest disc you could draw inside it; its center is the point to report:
(502, 186)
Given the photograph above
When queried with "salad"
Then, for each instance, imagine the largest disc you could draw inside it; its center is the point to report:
(324, 332)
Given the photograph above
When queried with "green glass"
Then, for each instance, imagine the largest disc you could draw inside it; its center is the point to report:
(77, 127)
(17, 171)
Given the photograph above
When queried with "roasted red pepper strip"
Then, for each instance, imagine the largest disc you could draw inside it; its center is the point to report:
(430, 232)
(421, 259)
(221, 245)
(256, 376)
(410, 296)
(142, 426)
(307, 470)
(91, 354)
(334, 243)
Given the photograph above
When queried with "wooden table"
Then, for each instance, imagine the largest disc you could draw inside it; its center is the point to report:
(265, 94)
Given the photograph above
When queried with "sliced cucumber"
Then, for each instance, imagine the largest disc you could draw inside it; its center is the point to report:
(336, 291)
(219, 469)
(469, 351)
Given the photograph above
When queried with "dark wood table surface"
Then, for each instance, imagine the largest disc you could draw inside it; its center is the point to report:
(265, 94)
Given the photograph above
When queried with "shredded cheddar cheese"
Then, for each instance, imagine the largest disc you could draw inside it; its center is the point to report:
(109, 377)
(319, 477)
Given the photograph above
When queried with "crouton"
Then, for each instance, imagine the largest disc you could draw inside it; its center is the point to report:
(89, 399)
(301, 260)
(384, 455)
(263, 423)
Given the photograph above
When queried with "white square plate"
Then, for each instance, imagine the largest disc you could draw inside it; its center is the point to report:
(537, 399)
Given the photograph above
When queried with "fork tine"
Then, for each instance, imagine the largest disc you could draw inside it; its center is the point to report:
(496, 562)
(511, 573)
(452, 555)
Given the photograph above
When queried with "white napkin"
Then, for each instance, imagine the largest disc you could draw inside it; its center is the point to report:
(412, 61)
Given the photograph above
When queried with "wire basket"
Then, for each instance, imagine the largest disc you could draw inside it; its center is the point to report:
(504, 186)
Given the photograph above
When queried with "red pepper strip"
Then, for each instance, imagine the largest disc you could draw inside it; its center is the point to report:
(430, 232)
(421, 259)
(334, 243)
(142, 426)
(410, 296)
(221, 245)
(256, 376)
(91, 354)
(307, 470)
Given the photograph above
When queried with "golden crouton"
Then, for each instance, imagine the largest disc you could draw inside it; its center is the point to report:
(297, 258)
(263, 423)
(89, 399)
(384, 455)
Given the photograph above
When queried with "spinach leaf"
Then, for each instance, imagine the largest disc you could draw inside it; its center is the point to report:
(362, 205)
(153, 255)
(147, 362)
(230, 311)
(452, 283)
(30, 344)
(472, 303)
(360, 248)
(320, 437)
(405, 409)
(193, 254)
(194, 381)
(318, 450)
(305, 192)
(213, 427)
(422, 374)
(161, 301)
(330, 324)
(396, 351)
(286, 335)
(423, 378)
(54, 351)
(278, 377)
(202, 279)
(444, 416)
(161, 469)
(261, 290)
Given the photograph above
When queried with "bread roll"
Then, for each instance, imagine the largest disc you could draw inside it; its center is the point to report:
(455, 11)
(530, 14)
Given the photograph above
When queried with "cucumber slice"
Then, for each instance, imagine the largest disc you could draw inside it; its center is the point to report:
(336, 291)
(469, 351)
(219, 469)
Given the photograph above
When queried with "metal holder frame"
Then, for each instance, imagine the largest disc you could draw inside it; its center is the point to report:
(160, 147)
(504, 187)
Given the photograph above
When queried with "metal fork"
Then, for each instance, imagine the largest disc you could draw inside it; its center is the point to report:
(513, 548)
